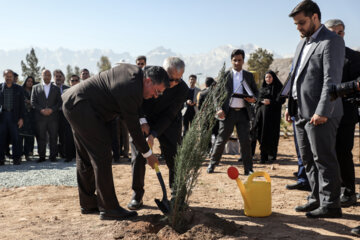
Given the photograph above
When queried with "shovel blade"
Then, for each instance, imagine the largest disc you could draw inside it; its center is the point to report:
(164, 206)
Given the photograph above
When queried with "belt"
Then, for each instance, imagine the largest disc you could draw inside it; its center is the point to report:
(238, 109)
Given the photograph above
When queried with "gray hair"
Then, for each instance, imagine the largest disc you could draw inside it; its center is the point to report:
(171, 63)
(333, 23)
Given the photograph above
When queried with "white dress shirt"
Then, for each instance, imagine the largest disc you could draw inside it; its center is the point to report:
(47, 89)
(237, 88)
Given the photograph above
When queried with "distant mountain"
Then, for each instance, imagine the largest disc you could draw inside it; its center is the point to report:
(203, 64)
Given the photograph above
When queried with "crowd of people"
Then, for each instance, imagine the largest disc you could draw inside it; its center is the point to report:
(147, 102)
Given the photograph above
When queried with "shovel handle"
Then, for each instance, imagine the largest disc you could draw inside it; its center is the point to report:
(243, 192)
(161, 180)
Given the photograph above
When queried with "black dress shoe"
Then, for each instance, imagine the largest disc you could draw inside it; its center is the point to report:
(53, 160)
(68, 160)
(324, 212)
(135, 205)
(240, 160)
(89, 210)
(347, 201)
(307, 207)
(298, 186)
(248, 172)
(40, 160)
(210, 168)
(117, 214)
(2, 163)
(295, 174)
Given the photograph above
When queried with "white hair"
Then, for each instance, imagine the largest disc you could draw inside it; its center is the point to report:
(333, 23)
(171, 63)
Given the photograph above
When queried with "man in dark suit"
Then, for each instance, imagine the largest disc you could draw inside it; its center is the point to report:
(90, 106)
(318, 63)
(345, 133)
(12, 110)
(190, 104)
(236, 112)
(59, 81)
(162, 120)
(46, 100)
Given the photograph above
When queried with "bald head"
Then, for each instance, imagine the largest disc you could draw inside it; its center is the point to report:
(46, 76)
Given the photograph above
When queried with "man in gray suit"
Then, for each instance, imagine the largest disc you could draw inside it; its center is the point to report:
(46, 100)
(90, 107)
(318, 63)
(241, 91)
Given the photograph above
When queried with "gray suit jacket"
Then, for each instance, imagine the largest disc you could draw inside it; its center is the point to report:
(39, 100)
(322, 67)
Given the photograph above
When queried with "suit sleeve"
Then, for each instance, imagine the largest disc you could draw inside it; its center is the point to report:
(333, 61)
(22, 103)
(58, 100)
(130, 109)
(168, 116)
(35, 99)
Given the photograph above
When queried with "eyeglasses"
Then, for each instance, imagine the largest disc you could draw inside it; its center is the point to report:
(140, 64)
(74, 80)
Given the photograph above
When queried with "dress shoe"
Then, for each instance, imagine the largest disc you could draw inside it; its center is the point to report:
(41, 159)
(68, 160)
(262, 161)
(324, 212)
(307, 207)
(17, 161)
(27, 158)
(240, 160)
(89, 210)
(298, 186)
(356, 231)
(117, 214)
(2, 163)
(347, 201)
(210, 168)
(248, 172)
(135, 205)
(53, 160)
(295, 174)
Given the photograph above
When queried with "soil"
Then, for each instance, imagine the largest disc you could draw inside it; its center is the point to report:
(53, 212)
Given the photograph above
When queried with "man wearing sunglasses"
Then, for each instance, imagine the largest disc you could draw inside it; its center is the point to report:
(90, 106)
(141, 62)
(162, 120)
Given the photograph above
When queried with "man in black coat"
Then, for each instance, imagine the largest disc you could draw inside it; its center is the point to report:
(236, 112)
(12, 109)
(346, 130)
(90, 106)
(161, 120)
(46, 100)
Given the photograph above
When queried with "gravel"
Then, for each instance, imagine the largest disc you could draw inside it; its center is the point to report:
(32, 173)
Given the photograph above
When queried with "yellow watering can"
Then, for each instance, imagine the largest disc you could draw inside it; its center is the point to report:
(256, 194)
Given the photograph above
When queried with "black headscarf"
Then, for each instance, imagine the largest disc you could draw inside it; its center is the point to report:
(272, 89)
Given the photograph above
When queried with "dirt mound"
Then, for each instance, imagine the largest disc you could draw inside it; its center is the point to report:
(199, 225)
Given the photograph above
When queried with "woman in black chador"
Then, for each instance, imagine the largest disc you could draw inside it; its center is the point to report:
(268, 115)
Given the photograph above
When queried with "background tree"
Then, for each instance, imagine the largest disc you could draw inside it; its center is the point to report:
(104, 64)
(260, 61)
(31, 68)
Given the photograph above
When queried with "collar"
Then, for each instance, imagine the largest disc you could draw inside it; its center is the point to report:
(44, 84)
(314, 35)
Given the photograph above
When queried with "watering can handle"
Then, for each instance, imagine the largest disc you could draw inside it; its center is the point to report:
(259, 174)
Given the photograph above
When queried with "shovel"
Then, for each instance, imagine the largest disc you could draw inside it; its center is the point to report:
(164, 204)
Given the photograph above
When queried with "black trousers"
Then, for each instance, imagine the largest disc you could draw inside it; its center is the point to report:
(47, 124)
(187, 119)
(168, 145)
(344, 146)
(93, 157)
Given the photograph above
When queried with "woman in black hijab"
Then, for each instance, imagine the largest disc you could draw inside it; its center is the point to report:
(268, 115)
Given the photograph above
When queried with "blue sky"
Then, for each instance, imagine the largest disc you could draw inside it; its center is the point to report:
(186, 27)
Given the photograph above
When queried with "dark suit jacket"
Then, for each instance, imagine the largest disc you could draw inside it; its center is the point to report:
(118, 91)
(323, 67)
(351, 72)
(39, 100)
(18, 101)
(249, 79)
(165, 111)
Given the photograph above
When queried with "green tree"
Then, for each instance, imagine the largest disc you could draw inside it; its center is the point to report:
(104, 64)
(31, 68)
(260, 61)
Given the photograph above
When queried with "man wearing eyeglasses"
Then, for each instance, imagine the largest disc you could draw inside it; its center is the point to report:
(90, 107)
(162, 120)
(141, 62)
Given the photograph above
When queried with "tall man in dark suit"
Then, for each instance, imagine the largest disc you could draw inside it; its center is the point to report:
(162, 120)
(46, 100)
(90, 106)
(12, 109)
(59, 81)
(318, 63)
(236, 112)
